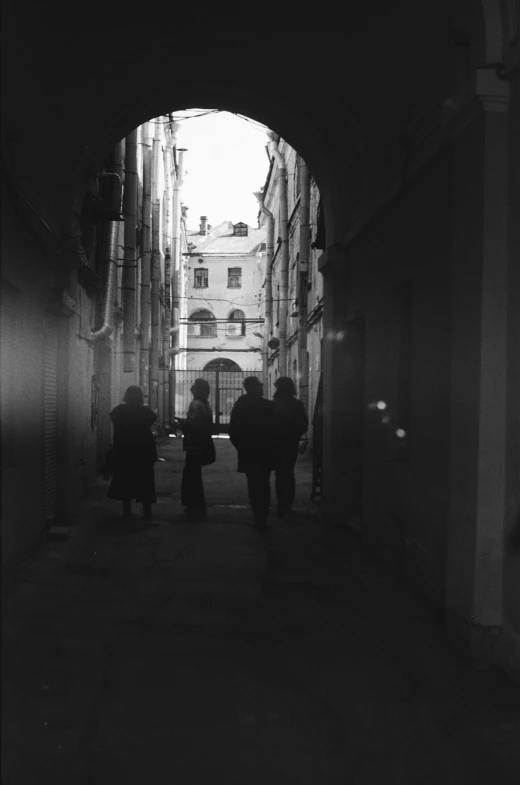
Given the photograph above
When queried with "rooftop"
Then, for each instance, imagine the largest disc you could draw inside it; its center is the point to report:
(221, 241)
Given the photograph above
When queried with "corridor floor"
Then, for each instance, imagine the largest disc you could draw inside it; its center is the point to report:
(172, 651)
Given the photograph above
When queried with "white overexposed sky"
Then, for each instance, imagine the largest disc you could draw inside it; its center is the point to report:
(225, 163)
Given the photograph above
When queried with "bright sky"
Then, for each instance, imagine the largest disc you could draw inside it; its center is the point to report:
(225, 163)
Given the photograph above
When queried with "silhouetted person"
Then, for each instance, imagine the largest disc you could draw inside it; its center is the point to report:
(134, 453)
(199, 447)
(251, 430)
(291, 424)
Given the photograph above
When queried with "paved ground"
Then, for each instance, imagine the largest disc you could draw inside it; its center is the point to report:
(189, 653)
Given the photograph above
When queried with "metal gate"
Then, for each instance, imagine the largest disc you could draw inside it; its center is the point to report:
(50, 420)
(225, 388)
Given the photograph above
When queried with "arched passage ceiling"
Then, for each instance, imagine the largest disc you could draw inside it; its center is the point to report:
(73, 88)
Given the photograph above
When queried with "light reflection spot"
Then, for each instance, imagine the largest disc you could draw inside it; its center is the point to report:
(381, 405)
(400, 433)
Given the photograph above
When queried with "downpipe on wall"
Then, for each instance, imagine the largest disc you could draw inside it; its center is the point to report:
(284, 268)
(174, 330)
(176, 251)
(144, 370)
(168, 241)
(130, 260)
(156, 270)
(303, 278)
(268, 323)
(109, 258)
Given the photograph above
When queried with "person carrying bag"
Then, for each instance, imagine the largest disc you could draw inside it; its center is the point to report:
(199, 448)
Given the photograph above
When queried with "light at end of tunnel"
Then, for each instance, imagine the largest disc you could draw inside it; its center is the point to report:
(381, 405)
(400, 433)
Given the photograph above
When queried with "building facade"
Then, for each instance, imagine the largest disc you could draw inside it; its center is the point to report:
(298, 300)
(223, 273)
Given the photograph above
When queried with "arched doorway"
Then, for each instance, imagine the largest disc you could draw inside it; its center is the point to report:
(222, 364)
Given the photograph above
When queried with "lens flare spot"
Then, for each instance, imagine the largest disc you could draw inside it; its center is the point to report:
(385, 420)
(381, 405)
(400, 433)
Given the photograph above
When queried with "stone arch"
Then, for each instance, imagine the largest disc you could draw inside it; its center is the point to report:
(222, 364)
(311, 139)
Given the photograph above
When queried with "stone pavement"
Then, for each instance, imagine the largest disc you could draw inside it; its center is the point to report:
(172, 651)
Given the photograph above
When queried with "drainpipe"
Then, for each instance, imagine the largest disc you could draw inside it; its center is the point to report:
(156, 269)
(110, 257)
(129, 261)
(176, 265)
(176, 248)
(144, 370)
(303, 278)
(284, 271)
(268, 323)
(168, 164)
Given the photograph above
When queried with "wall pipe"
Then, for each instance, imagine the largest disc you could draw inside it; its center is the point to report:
(130, 260)
(284, 271)
(176, 248)
(110, 258)
(168, 238)
(303, 278)
(268, 324)
(156, 270)
(144, 370)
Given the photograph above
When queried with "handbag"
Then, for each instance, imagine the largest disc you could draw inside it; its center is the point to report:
(205, 453)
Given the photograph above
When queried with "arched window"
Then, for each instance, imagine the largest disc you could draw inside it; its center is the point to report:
(202, 324)
(236, 325)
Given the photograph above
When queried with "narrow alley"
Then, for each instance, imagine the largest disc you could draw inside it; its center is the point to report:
(193, 652)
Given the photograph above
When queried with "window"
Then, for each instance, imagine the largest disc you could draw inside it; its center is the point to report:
(236, 326)
(234, 277)
(202, 324)
(201, 278)
(240, 230)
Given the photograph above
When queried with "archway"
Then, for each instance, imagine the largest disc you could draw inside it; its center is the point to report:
(222, 364)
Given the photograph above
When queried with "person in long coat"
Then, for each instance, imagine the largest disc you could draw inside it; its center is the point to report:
(199, 448)
(251, 431)
(134, 452)
(291, 424)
